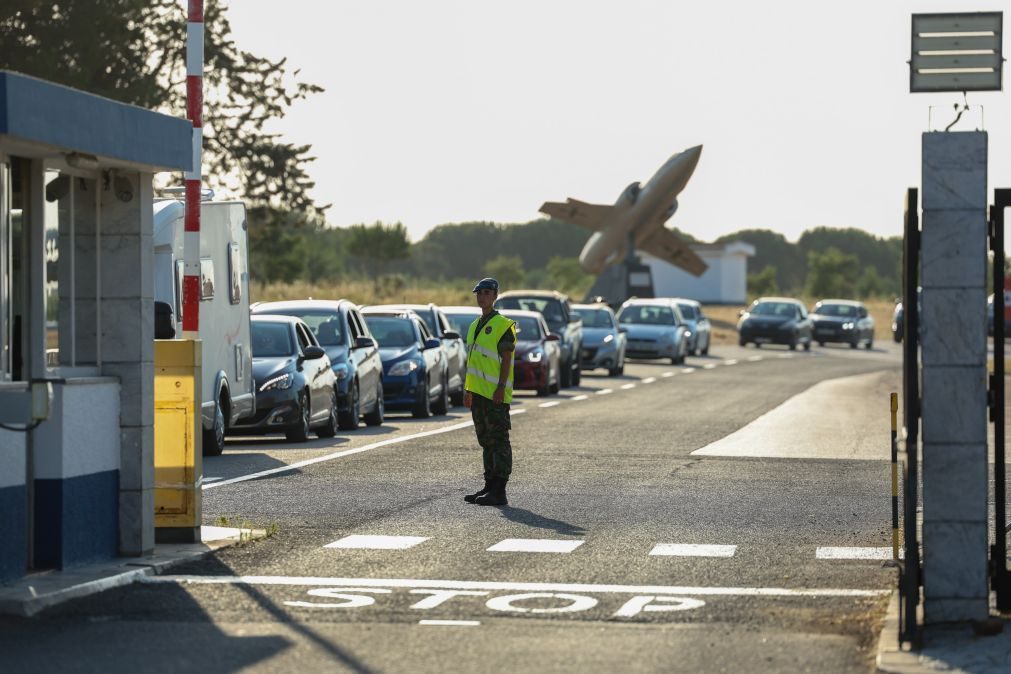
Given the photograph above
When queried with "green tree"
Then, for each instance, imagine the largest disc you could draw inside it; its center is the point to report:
(135, 51)
(763, 283)
(565, 274)
(831, 273)
(277, 246)
(871, 284)
(378, 245)
(773, 250)
(507, 270)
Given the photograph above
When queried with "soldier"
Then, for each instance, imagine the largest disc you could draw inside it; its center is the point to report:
(491, 340)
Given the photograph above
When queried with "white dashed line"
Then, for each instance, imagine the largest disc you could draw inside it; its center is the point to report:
(365, 542)
(578, 398)
(693, 550)
(535, 545)
(755, 359)
(709, 366)
(649, 380)
(784, 355)
(451, 623)
(604, 391)
(512, 413)
(732, 361)
(212, 479)
(854, 553)
(627, 386)
(688, 370)
(550, 403)
(667, 374)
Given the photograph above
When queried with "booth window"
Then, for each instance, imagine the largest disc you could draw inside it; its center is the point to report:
(235, 273)
(206, 278)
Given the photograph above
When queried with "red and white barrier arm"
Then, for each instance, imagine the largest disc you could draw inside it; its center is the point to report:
(194, 112)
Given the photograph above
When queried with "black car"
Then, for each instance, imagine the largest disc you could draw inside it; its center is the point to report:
(776, 320)
(844, 321)
(561, 320)
(296, 390)
(354, 355)
(453, 344)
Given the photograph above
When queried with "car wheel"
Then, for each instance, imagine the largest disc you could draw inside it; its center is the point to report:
(565, 378)
(792, 345)
(742, 342)
(299, 431)
(870, 344)
(349, 420)
(423, 407)
(378, 413)
(442, 404)
(807, 345)
(330, 428)
(705, 351)
(457, 397)
(854, 344)
(214, 439)
(577, 374)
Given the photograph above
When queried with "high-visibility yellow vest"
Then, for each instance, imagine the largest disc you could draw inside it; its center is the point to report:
(484, 364)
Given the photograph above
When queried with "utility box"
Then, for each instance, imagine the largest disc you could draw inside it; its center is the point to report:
(178, 455)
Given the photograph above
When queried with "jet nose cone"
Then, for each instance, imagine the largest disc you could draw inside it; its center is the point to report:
(692, 155)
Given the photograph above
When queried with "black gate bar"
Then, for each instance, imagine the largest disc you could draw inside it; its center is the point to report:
(1000, 580)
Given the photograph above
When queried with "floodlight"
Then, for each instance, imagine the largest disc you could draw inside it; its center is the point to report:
(956, 52)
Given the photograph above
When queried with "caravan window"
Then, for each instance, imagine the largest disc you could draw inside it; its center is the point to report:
(235, 273)
(206, 279)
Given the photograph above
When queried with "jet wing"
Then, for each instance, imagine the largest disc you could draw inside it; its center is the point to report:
(590, 216)
(667, 246)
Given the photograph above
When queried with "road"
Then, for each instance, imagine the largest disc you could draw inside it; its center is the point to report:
(726, 515)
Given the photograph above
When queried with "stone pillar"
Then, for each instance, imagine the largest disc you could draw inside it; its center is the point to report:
(127, 347)
(953, 339)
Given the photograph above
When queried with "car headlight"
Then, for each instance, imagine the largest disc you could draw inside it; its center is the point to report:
(688, 333)
(535, 356)
(847, 326)
(280, 382)
(341, 370)
(403, 367)
(608, 339)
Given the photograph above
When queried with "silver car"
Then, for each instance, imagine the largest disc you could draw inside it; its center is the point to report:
(604, 341)
(699, 330)
(655, 328)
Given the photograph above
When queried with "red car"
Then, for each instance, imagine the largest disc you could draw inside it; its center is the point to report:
(538, 355)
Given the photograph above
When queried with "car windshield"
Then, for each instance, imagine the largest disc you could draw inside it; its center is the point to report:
(688, 311)
(646, 314)
(461, 323)
(548, 307)
(596, 318)
(840, 310)
(391, 331)
(774, 309)
(325, 324)
(527, 328)
(271, 340)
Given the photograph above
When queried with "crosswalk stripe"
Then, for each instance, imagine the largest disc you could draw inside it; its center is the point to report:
(367, 542)
(535, 545)
(693, 550)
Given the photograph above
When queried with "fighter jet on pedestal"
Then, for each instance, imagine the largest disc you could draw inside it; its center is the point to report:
(634, 222)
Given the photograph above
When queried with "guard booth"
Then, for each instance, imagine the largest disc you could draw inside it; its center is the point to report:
(77, 314)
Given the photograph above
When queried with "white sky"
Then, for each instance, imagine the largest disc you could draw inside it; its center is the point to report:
(442, 111)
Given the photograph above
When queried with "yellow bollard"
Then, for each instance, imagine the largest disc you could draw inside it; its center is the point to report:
(895, 478)
(178, 450)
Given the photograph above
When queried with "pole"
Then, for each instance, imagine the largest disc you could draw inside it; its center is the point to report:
(194, 112)
(1001, 580)
(895, 477)
(910, 579)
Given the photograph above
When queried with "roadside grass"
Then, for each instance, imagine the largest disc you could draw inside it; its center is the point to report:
(724, 319)
(248, 531)
(392, 290)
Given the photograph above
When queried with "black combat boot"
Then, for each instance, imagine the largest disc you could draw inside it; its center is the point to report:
(496, 496)
(470, 498)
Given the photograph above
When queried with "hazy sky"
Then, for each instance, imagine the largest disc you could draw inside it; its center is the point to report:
(448, 111)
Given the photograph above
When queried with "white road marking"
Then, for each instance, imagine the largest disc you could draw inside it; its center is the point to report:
(551, 403)
(627, 386)
(854, 553)
(755, 359)
(347, 452)
(535, 545)
(516, 587)
(457, 623)
(367, 542)
(604, 391)
(649, 380)
(709, 366)
(785, 355)
(577, 398)
(512, 413)
(688, 370)
(212, 479)
(667, 374)
(693, 550)
(732, 361)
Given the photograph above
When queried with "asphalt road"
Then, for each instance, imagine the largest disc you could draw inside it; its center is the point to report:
(699, 518)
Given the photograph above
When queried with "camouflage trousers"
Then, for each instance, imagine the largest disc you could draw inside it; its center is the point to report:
(492, 424)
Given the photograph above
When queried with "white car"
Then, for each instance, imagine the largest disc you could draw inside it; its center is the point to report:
(699, 329)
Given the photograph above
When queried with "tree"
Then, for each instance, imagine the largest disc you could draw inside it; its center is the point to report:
(831, 273)
(134, 51)
(773, 250)
(277, 245)
(565, 274)
(507, 270)
(763, 283)
(377, 245)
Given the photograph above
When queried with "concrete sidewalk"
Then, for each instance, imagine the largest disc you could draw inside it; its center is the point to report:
(949, 648)
(36, 592)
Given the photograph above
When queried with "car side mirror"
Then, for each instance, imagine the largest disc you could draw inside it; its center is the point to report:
(313, 353)
(363, 342)
(552, 337)
(432, 344)
(450, 334)
(740, 313)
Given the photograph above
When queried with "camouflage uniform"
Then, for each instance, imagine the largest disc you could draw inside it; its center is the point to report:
(492, 424)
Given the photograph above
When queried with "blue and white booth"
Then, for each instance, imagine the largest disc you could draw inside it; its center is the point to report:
(77, 318)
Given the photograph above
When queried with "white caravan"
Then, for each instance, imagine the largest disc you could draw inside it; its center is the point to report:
(224, 306)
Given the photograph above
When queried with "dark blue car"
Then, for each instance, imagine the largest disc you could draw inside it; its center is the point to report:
(415, 373)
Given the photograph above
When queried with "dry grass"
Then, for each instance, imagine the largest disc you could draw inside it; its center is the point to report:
(365, 292)
(724, 319)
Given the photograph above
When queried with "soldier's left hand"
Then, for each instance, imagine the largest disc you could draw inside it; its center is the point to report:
(498, 396)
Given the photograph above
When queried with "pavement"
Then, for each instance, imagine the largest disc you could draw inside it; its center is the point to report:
(37, 592)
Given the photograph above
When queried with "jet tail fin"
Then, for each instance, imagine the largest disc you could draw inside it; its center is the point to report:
(669, 247)
(590, 216)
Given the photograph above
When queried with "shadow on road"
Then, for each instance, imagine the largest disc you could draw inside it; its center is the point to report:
(532, 519)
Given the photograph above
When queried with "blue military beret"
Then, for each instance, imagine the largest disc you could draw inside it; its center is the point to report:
(489, 283)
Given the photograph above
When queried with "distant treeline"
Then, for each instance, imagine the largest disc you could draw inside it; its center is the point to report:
(544, 252)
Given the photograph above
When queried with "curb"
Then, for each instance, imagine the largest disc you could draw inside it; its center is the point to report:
(891, 659)
(32, 594)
